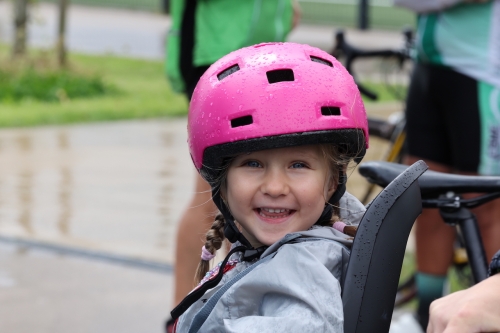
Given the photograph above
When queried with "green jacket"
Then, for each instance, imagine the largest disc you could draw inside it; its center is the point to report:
(465, 37)
(222, 26)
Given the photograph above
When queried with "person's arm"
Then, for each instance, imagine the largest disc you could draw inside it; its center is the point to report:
(426, 6)
(476, 309)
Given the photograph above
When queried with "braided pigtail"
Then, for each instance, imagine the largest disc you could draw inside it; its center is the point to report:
(336, 223)
(214, 239)
(346, 229)
(350, 230)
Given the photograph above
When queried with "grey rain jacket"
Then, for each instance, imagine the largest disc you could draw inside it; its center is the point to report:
(297, 289)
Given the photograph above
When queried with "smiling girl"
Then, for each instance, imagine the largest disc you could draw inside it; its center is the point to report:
(273, 128)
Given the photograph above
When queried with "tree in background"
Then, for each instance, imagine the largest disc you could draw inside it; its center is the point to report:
(61, 33)
(20, 27)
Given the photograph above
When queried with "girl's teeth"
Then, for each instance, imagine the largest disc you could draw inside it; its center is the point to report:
(264, 211)
(271, 210)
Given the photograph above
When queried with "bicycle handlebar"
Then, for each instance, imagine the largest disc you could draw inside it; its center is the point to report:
(351, 53)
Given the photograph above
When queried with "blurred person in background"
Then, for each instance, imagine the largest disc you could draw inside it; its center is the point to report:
(453, 121)
(201, 33)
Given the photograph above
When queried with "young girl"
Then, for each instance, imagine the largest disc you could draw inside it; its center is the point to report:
(272, 128)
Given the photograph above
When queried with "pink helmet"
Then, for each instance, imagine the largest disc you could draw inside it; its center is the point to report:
(274, 95)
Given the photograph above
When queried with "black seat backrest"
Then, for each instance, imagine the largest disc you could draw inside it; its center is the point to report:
(372, 276)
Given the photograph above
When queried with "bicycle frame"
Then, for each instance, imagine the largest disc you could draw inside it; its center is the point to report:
(455, 212)
(466, 222)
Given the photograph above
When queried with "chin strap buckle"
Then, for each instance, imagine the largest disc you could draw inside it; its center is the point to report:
(252, 254)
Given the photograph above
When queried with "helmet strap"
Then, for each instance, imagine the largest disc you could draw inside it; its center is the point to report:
(340, 190)
(326, 216)
(231, 232)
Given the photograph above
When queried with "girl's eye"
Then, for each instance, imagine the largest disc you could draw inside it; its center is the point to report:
(252, 164)
(298, 165)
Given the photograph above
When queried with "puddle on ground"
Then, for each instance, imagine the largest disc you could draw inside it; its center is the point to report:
(118, 187)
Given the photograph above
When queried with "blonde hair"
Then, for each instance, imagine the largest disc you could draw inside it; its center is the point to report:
(336, 162)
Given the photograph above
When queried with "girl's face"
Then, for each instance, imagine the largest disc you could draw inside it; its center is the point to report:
(275, 192)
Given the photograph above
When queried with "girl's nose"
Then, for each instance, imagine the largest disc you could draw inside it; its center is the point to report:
(275, 183)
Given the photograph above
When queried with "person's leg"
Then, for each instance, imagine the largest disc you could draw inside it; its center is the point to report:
(427, 139)
(194, 224)
(488, 217)
(464, 106)
(434, 252)
(434, 238)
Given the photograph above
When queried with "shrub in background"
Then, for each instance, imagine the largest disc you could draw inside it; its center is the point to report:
(49, 86)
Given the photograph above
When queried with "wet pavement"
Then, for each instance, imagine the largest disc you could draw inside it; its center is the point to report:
(45, 292)
(87, 221)
(116, 187)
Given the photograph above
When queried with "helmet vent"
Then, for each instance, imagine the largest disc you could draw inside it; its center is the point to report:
(321, 61)
(330, 111)
(241, 121)
(280, 75)
(228, 71)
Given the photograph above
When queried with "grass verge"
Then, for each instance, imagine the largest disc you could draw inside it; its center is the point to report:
(143, 92)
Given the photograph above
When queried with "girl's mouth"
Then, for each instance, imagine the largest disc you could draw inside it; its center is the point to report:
(274, 213)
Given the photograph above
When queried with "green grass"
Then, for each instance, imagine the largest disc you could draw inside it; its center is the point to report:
(460, 279)
(346, 15)
(49, 85)
(143, 93)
